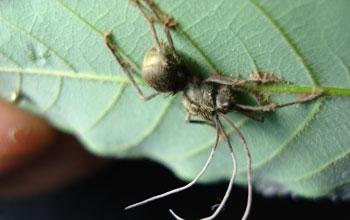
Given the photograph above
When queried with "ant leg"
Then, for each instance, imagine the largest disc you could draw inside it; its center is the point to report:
(272, 107)
(150, 21)
(303, 98)
(189, 120)
(257, 109)
(220, 129)
(187, 185)
(255, 77)
(166, 24)
(266, 77)
(121, 64)
(228, 81)
(249, 165)
(260, 102)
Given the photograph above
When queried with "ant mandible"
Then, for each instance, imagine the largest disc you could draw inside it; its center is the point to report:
(209, 100)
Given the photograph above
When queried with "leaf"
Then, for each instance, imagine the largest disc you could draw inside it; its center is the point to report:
(53, 55)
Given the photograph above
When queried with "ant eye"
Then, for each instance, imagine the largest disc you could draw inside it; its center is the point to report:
(162, 71)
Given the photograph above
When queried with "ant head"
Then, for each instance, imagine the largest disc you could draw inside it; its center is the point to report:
(225, 100)
(163, 70)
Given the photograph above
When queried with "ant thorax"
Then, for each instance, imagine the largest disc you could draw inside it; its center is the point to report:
(203, 99)
(163, 71)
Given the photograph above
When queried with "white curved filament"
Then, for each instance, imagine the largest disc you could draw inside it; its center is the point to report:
(229, 188)
(249, 165)
(187, 185)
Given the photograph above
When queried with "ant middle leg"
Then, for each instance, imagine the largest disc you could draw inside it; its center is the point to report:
(261, 101)
(189, 120)
(124, 66)
(256, 77)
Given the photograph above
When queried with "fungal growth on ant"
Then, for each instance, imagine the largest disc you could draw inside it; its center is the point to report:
(209, 99)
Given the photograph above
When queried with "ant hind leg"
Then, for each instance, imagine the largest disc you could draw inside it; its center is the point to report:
(124, 66)
(164, 19)
(150, 21)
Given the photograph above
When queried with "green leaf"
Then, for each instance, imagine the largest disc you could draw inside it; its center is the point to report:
(52, 54)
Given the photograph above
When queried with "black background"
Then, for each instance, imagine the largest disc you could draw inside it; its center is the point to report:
(104, 195)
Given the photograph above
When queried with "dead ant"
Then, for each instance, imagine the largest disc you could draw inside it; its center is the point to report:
(209, 99)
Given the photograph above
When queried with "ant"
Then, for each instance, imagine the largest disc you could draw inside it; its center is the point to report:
(209, 100)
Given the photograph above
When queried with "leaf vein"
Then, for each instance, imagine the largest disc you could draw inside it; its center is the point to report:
(284, 145)
(84, 76)
(288, 40)
(57, 95)
(106, 111)
(39, 42)
(319, 171)
(153, 126)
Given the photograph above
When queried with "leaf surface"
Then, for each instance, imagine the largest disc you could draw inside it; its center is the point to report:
(53, 55)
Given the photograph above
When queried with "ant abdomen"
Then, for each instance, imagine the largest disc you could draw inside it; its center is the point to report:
(163, 71)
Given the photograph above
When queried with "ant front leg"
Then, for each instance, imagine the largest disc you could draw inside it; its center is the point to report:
(124, 66)
(165, 20)
(272, 107)
(303, 98)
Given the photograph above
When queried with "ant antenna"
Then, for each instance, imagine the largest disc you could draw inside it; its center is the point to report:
(187, 185)
(219, 128)
(249, 164)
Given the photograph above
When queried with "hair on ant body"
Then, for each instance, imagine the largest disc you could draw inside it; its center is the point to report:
(209, 99)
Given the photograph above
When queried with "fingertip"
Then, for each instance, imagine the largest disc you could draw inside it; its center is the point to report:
(22, 135)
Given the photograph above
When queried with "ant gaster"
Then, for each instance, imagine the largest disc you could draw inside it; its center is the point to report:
(209, 99)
